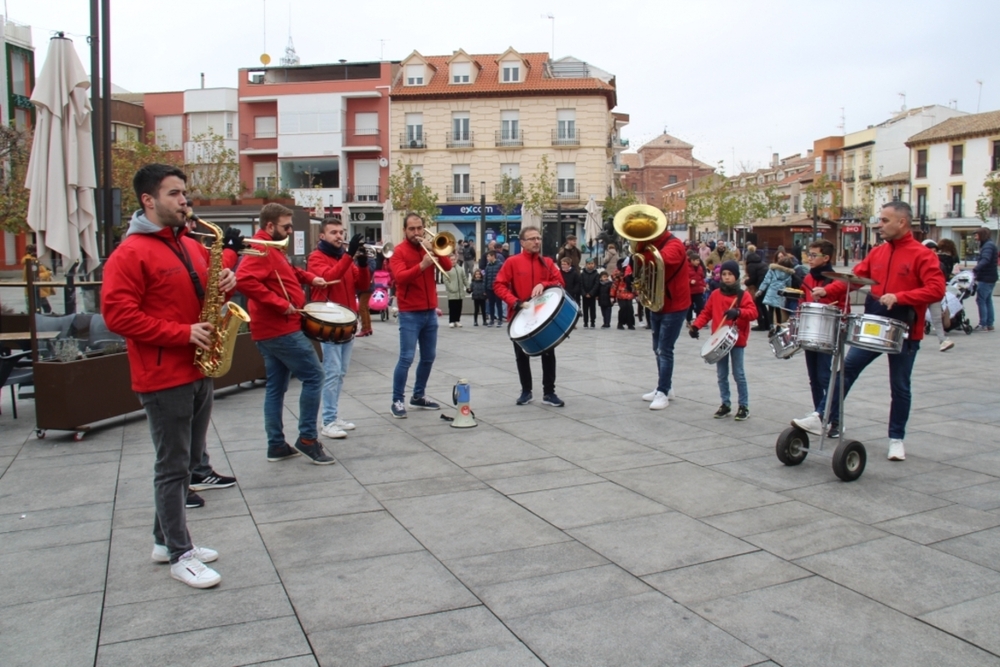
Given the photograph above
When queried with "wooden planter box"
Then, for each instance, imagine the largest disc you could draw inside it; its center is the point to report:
(71, 395)
(220, 202)
(253, 201)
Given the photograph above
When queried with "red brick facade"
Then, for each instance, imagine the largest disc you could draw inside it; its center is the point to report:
(658, 163)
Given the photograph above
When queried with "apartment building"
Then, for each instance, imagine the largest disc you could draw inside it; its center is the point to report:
(463, 121)
(948, 164)
(17, 80)
(321, 133)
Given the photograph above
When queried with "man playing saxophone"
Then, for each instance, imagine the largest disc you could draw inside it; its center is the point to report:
(154, 286)
(274, 291)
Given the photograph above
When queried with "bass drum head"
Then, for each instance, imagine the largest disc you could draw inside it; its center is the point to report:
(537, 313)
(333, 313)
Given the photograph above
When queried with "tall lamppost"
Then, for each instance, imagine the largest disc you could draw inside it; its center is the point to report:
(482, 218)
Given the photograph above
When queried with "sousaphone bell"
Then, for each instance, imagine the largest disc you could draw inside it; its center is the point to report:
(641, 223)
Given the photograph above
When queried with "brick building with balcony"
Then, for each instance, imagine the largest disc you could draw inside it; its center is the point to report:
(665, 160)
(465, 121)
(321, 133)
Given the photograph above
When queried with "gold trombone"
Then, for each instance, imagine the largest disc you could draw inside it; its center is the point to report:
(640, 224)
(441, 244)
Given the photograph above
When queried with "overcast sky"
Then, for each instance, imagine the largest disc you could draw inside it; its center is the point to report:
(737, 79)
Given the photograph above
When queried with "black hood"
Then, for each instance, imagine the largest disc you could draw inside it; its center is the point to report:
(752, 257)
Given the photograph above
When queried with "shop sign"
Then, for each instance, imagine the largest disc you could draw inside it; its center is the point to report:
(851, 229)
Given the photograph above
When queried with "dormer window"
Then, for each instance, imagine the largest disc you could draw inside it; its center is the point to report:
(414, 75)
(510, 71)
(461, 72)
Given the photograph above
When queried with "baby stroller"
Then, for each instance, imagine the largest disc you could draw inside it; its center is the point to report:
(960, 288)
(381, 300)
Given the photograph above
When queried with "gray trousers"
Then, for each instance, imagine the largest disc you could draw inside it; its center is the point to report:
(178, 421)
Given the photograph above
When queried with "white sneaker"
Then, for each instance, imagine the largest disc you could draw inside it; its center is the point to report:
(458, 324)
(343, 425)
(660, 401)
(193, 572)
(331, 430)
(896, 451)
(451, 324)
(204, 554)
(812, 423)
(946, 345)
(651, 395)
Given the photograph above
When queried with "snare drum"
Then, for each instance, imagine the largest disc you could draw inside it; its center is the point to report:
(876, 333)
(329, 322)
(544, 322)
(783, 341)
(719, 344)
(818, 327)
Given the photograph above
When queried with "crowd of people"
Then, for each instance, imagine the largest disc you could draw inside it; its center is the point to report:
(156, 282)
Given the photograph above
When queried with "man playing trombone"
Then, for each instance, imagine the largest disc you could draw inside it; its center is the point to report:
(273, 288)
(416, 292)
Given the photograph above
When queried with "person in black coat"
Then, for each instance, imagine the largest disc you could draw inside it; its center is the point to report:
(604, 299)
(590, 286)
(571, 279)
(756, 269)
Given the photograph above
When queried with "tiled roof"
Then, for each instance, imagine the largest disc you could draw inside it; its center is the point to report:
(666, 140)
(901, 177)
(632, 160)
(670, 159)
(958, 127)
(487, 83)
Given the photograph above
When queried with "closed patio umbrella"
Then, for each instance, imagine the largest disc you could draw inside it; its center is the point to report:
(61, 172)
(592, 225)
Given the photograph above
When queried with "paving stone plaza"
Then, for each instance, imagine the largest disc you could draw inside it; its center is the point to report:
(601, 533)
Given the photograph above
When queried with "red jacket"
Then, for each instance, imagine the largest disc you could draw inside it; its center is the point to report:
(677, 291)
(345, 275)
(696, 279)
(258, 278)
(415, 287)
(148, 298)
(910, 270)
(835, 291)
(719, 303)
(519, 275)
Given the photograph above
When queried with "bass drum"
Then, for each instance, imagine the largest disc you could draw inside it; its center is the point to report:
(329, 322)
(544, 322)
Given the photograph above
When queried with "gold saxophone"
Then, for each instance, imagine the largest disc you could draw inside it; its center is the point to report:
(225, 318)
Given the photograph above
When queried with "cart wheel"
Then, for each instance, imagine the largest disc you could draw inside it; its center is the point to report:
(967, 328)
(78, 436)
(40, 433)
(849, 460)
(792, 446)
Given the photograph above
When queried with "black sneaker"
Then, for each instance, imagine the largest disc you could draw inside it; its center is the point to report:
(553, 400)
(525, 398)
(742, 414)
(281, 453)
(723, 411)
(834, 431)
(314, 450)
(194, 500)
(422, 402)
(213, 480)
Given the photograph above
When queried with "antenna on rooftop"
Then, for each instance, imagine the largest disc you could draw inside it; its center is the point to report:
(381, 53)
(842, 126)
(980, 98)
(903, 97)
(290, 59)
(551, 17)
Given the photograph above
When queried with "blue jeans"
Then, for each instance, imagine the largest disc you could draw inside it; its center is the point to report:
(336, 360)
(415, 326)
(494, 307)
(666, 329)
(984, 301)
(900, 369)
(284, 356)
(722, 373)
(818, 366)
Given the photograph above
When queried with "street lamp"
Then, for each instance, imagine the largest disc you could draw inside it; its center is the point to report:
(482, 218)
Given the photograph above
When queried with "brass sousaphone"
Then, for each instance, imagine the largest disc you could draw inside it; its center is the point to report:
(640, 224)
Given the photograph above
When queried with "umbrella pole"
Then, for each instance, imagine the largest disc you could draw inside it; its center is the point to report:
(29, 269)
(106, 123)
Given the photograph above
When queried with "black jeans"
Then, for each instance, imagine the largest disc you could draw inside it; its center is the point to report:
(589, 311)
(548, 370)
(178, 421)
(478, 306)
(454, 310)
(626, 314)
(606, 315)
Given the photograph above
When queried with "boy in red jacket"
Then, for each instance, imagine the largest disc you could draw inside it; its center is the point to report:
(273, 288)
(730, 305)
(154, 284)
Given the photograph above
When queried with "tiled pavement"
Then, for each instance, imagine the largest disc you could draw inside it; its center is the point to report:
(600, 533)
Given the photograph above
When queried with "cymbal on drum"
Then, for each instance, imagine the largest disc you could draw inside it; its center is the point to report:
(849, 278)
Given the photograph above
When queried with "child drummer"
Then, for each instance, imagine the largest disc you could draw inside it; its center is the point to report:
(730, 305)
(818, 289)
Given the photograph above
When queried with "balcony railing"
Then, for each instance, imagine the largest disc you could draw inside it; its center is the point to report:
(565, 137)
(621, 167)
(362, 193)
(568, 192)
(849, 177)
(865, 176)
(362, 137)
(260, 142)
(509, 139)
(410, 143)
(460, 140)
(452, 195)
